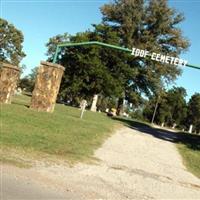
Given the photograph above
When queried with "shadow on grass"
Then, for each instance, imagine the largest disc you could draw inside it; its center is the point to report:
(21, 104)
(29, 94)
(191, 141)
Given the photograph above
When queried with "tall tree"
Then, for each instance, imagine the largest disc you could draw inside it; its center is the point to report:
(28, 81)
(177, 103)
(150, 25)
(11, 40)
(53, 42)
(88, 69)
(194, 112)
(172, 107)
(117, 63)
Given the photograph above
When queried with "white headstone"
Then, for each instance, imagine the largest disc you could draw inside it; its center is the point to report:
(190, 129)
(94, 103)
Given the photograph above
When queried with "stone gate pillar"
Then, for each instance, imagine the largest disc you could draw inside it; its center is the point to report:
(9, 76)
(47, 86)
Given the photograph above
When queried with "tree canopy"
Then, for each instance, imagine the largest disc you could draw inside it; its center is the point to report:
(193, 116)
(89, 70)
(11, 40)
(150, 25)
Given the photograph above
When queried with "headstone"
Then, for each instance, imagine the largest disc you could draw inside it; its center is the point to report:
(174, 126)
(190, 129)
(94, 103)
(9, 76)
(47, 86)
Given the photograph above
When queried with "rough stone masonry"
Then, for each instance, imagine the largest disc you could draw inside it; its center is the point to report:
(9, 76)
(47, 85)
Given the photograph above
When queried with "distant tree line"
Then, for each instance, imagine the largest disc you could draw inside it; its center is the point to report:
(173, 110)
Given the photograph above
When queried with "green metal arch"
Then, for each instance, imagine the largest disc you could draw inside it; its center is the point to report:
(59, 46)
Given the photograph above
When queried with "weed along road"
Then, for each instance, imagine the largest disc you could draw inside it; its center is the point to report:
(134, 163)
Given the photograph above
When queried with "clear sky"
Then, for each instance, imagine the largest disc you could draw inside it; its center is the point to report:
(41, 19)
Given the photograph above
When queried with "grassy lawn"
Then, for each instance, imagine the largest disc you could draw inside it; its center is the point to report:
(189, 149)
(61, 133)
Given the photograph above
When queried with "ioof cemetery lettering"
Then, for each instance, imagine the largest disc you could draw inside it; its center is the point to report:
(159, 57)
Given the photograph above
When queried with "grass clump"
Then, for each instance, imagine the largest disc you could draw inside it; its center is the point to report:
(189, 148)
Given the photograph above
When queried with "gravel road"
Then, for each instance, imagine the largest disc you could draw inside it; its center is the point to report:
(133, 164)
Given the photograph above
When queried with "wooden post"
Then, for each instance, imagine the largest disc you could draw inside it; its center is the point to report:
(83, 105)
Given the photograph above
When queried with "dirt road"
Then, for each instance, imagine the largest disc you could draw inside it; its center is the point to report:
(132, 165)
(19, 187)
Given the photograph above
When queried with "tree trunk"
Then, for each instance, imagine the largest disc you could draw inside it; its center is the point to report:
(120, 106)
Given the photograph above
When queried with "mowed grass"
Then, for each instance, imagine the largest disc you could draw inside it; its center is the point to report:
(189, 149)
(61, 133)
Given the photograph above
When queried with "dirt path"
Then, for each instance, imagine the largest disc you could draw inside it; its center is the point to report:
(133, 165)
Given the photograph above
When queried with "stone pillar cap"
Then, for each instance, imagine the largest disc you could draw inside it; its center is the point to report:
(50, 64)
(7, 65)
